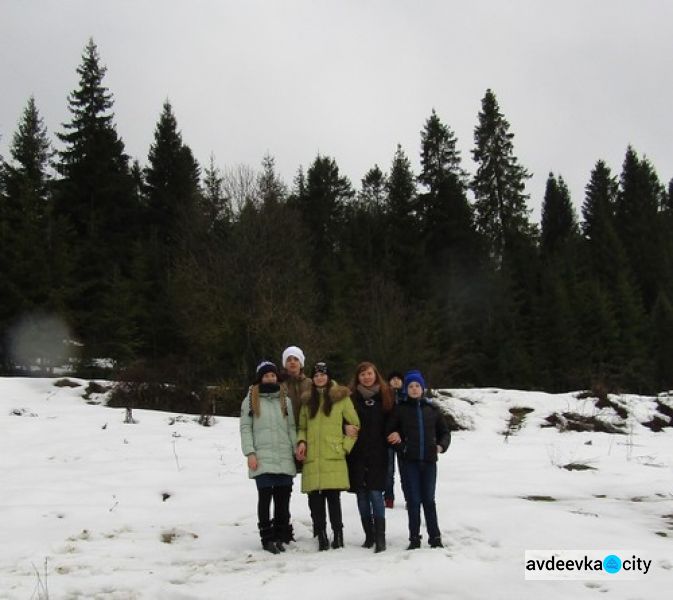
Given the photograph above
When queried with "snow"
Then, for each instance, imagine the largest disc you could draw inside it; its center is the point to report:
(164, 509)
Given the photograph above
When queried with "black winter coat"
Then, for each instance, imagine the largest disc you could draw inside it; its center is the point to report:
(421, 427)
(368, 461)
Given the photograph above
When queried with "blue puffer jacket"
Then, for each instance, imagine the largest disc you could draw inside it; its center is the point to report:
(422, 428)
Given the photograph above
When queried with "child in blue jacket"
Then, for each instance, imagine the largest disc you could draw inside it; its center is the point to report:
(419, 427)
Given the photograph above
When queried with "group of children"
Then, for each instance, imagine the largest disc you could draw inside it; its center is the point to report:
(341, 438)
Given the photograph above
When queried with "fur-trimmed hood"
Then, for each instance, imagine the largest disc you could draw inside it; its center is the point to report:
(336, 392)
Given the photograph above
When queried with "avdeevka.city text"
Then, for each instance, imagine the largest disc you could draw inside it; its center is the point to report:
(587, 564)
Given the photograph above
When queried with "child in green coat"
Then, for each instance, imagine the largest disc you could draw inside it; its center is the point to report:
(322, 447)
(268, 439)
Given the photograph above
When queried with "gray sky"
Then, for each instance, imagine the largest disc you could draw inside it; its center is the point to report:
(578, 80)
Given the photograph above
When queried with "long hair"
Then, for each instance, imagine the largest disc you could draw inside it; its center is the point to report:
(387, 399)
(254, 404)
(314, 400)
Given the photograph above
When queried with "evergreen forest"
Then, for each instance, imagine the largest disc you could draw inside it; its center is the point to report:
(194, 273)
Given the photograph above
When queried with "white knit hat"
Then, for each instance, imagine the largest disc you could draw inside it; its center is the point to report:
(296, 352)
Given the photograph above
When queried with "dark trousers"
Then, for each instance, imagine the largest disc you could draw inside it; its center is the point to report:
(421, 479)
(390, 486)
(281, 504)
(316, 502)
(390, 481)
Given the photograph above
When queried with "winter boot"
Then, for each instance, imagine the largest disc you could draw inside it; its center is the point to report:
(323, 540)
(380, 534)
(266, 535)
(289, 534)
(435, 542)
(282, 533)
(414, 543)
(338, 541)
(368, 528)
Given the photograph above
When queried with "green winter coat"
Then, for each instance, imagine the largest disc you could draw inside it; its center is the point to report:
(325, 465)
(271, 436)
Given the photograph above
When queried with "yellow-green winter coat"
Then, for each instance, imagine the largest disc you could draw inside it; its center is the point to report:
(325, 465)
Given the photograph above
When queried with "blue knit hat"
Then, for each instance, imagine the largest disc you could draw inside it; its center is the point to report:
(411, 376)
(266, 366)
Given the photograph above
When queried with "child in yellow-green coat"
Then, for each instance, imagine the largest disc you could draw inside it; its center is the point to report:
(322, 446)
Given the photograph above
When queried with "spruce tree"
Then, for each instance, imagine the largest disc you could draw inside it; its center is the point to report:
(368, 245)
(499, 183)
(26, 213)
(35, 266)
(173, 196)
(440, 159)
(447, 216)
(172, 184)
(372, 195)
(502, 217)
(610, 281)
(322, 208)
(216, 205)
(453, 246)
(636, 220)
(96, 198)
(606, 254)
(559, 221)
(662, 343)
(404, 227)
(271, 189)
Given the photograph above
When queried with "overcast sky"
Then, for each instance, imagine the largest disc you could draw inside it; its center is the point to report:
(578, 80)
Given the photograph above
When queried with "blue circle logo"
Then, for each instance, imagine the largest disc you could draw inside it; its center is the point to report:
(612, 563)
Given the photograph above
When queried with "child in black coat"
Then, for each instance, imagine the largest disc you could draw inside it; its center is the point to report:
(420, 428)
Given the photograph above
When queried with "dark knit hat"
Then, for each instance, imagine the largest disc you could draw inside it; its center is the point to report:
(411, 376)
(397, 374)
(320, 367)
(266, 366)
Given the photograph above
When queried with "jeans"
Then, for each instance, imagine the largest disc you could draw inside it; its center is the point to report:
(370, 504)
(421, 479)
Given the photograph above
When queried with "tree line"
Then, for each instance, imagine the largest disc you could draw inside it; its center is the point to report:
(197, 273)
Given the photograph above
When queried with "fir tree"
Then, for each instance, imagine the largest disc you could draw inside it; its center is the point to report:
(447, 216)
(26, 213)
(404, 226)
(96, 190)
(172, 189)
(368, 244)
(172, 183)
(636, 220)
(605, 252)
(372, 195)
(607, 269)
(96, 198)
(662, 343)
(499, 183)
(322, 208)
(271, 189)
(216, 205)
(453, 247)
(440, 159)
(559, 221)
(35, 265)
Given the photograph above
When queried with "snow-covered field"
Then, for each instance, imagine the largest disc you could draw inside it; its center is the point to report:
(92, 508)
